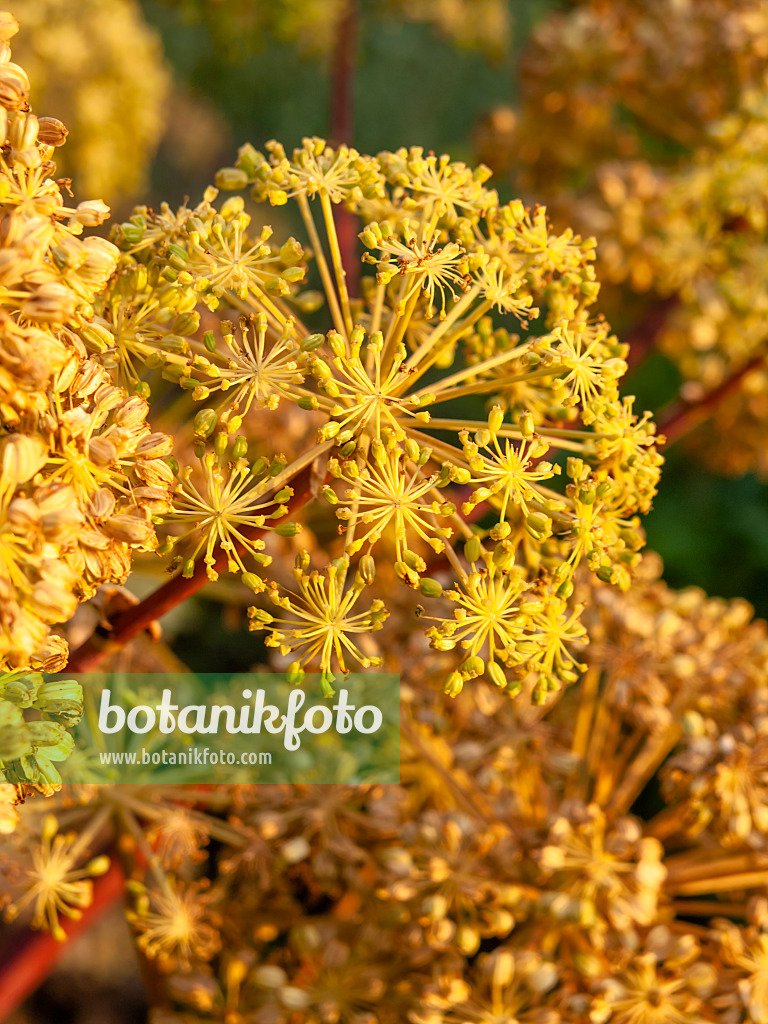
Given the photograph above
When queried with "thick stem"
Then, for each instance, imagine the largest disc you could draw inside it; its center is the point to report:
(642, 338)
(342, 111)
(133, 621)
(343, 65)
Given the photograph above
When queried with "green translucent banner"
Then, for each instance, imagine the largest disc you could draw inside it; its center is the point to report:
(225, 728)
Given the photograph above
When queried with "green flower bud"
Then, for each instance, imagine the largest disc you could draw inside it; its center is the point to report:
(312, 342)
(240, 448)
(411, 449)
(329, 430)
(538, 525)
(604, 489)
(295, 673)
(336, 344)
(367, 569)
(287, 529)
(473, 548)
(291, 253)
(514, 688)
(186, 324)
(232, 179)
(321, 370)
(293, 274)
(503, 557)
(253, 582)
(429, 587)
(472, 667)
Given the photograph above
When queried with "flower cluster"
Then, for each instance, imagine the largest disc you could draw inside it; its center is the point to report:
(663, 160)
(457, 492)
(519, 870)
(81, 472)
(100, 68)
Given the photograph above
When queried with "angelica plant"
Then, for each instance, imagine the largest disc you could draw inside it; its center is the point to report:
(451, 269)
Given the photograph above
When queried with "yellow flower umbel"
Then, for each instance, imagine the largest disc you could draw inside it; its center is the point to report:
(174, 923)
(226, 507)
(447, 262)
(319, 622)
(56, 886)
(81, 470)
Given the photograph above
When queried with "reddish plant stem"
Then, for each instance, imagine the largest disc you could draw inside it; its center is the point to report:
(342, 116)
(35, 954)
(133, 621)
(642, 338)
(343, 65)
(680, 418)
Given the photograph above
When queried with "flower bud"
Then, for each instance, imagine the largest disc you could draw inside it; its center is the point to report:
(429, 587)
(232, 179)
(538, 525)
(205, 423)
(495, 419)
(472, 667)
(496, 674)
(337, 344)
(367, 569)
(453, 685)
(473, 548)
(287, 529)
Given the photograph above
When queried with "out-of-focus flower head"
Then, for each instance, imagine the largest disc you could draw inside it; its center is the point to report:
(662, 158)
(100, 69)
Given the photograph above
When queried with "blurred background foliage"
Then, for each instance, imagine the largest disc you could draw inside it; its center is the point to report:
(231, 73)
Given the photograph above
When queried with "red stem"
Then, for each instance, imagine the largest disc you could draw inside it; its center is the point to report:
(342, 116)
(681, 417)
(343, 76)
(642, 338)
(134, 620)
